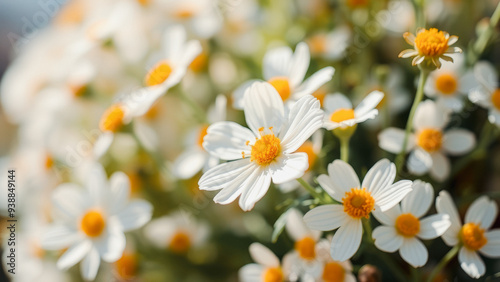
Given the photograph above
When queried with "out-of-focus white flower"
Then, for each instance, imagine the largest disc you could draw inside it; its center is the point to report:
(487, 95)
(195, 157)
(332, 270)
(402, 226)
(285, 71)
(90, 222)
(398, 17)
(266, 268)
(474, 236)
(429, 144)
(262, 153)
(357, 201)
(331, 45)
(305, 239)
(178, 232)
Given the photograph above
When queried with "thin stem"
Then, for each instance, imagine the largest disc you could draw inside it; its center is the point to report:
(444, 261)
(368, 228)
(197, 110)
(409, 124)
(484, 38)
(419, 12)
(311, 190)
(415, 275)
(344, 149)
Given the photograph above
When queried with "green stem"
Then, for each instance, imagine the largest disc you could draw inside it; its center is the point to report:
(444, 261)
(415, 275)
(310, 189)
(484, 38)
(409, 124)
(344, 149)
(197, 110)
(368, 228)
(419, 13)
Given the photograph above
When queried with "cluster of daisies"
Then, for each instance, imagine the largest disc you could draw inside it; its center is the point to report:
(118, 161)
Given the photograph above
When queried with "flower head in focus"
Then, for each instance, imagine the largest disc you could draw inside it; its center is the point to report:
(262, 153)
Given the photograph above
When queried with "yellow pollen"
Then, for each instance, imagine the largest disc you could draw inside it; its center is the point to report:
(307, 148)
(472, 236)
(342, 115)
(93, 223)
(112, 119)
(199, 63)
(306, 248)
(317, 43)
(180, 242)
(282, 86)
(431, 42)
(446, 83)
(203, 133)
(126, 266)
(333, 272)
(495, 99)
(266, 149)
(158, 74)
(358, 203)
(430, 139)
(273, 274)
(407, 225)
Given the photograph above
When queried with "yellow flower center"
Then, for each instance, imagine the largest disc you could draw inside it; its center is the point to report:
(407, 225)
(184, 13)
(307, 148)
(203, 133)
(126, 266)
(447, 83)
(273, 274)
(49, 161)
(342, 115)
(71, 13)
(472, 236)
(180, 242)
(317, 44)
(495, 99)
(143, 2)
(266, 149)
(320, 94)
(282, 86)
(306, 248)
(431, 42)
(199, 63)
(333, 272)
(158, 74)
(430, 139)
(358, 203)
(93, 223)
(112, 119)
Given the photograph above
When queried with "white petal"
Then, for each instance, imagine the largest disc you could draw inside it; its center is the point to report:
(120, 191)
(97, 184)
(369, 103)
(387, 239)
(90, 265)
(263, 107)
(74, 254)
(379, 177)
(251, 273)
(468, 82)
(102, 144)
(304, 119)
(277, 62)
(135, 215)
(455, 103)
(414, 252)
(235, 186)
(341, 179)
(458, 141)
(445, 205)
(190, 162)
(256, 187)
(334, 102)
(391, 140)
(441, 167)
(68, 199)
(419, 162)
(295, 225)
(494, 116)
(288, 167)
(299, 64)
(222, 175)
(392, 195)
(389, 216)
(492, 247)
(58, 237)
(239, 93)
(486, 75)
(325, 217)
(471, 263)
(111, 246)
(263, 256)
(419, 200)
(346, 240)
(227, 140)
(206, 24)
(483, 211)
(173, 40)
(314, 82)
(429, 115)
(434, 226)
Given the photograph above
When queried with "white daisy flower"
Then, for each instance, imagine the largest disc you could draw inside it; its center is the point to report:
(402, 226)
(487, 95)
(285, 71)
(429, 144)
(262, 153)
(266, 269)
(357, 201)
(340, 113)
(91, 222)
(331, 45)
(448, 84)
(474, 236)
(178, 232)
(195, 157)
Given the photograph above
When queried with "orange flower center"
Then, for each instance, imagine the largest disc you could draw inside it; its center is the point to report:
(266, 149)
(126, 266)
(333, 272)
(317, 44)
(320, 95)
(203, 133)
(273, 274)
(495, 99)
(357, 3)
(342, 115)
(184, 13)
(447, 83)
(199, 63)
(407, 225)
(49, 161)
(431, 42)
(93, 223)
(430, 140)
(306, 248)
(71, 13)
(112, 119)
(158, 74)
(472, 236)
(282, 86)
(358, 203)
(307, 148)
(180, 242)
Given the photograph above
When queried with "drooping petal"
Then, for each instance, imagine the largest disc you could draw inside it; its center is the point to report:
(419, 200)
(445, 205)
(227, 140)
(288, 167)
(346, 240)
(90, 265)
(434, 226)
(379, 177)
(263, 256)
(263, 107)
(458, 141)
(391, 140)
(387, 239)
(414, 252)
(483, 211)
(471, 263)
(326, 217)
